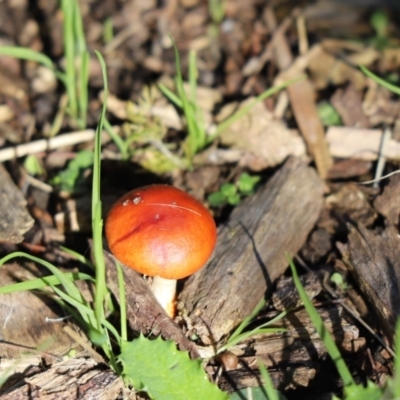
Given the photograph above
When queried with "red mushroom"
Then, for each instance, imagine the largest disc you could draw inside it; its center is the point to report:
(163, 232)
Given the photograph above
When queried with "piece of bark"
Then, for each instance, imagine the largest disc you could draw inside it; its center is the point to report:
(28, 321)
(144, 313)
(14, 218)
(250, 252)
(348, 103)
(69, 379)
(374, 261)
(388, 203)
(292, 356)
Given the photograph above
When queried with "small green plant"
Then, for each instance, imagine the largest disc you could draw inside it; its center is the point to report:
(328, 114)
(197, 135)
(158, 368)
(72, 179)
(233, 193)
(76, 73)
(216, 9)
(380, 23)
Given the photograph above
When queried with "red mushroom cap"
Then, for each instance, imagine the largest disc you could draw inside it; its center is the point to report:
(160, 230)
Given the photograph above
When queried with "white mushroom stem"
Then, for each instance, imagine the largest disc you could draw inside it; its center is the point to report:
(164, 291)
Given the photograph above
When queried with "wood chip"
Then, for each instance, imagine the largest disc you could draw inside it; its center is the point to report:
(374, 261)
(15, 220)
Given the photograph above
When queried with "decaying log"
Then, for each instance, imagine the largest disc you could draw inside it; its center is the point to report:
(251, 249)
(14, 218)
(292, 356)
(374, 261)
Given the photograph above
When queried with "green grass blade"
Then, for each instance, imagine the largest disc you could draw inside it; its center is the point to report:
(272, 394)
(193, 74)
(83, 90)
(40, 283)
(122, 302)
(24, 53)
(69, 286)
(97, 223)
(83, 68)
(170, 95)
(377, 79)
(122, 147)
(247, 320)
(396, 377)
(322, 332)
(79, 257)
(68, 8)
(225, 124)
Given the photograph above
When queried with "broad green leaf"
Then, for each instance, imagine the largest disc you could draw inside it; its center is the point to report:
(165, 373)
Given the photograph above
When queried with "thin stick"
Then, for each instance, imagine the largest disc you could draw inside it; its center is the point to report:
(68, 139)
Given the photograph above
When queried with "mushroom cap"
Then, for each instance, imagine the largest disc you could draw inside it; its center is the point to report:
(160, 230)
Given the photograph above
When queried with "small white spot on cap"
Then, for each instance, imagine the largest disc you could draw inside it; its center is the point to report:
(157, 216)
(125, 203)
(137, 200)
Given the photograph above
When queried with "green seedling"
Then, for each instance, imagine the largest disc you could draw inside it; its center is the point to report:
(33, 166)
(216, 9)
(380, 23)
(328, 114)
(72, 179)
(233, 193)
(76, 73)
(197, 135)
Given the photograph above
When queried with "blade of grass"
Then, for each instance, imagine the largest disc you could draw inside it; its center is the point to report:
(387, 85)
(69, 286)
(396, 377)
(79, 257)
(122, 302)
(268, 386)
(24, 53)
(43, 282)
(330, 345)
(68, 8)
(170, 95)
(225, 124)
(97, 223)
(83, 68)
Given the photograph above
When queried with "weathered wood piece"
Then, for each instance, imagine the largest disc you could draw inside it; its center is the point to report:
(69, 379)
(374, 261)
(144, 313)
(292, 356)
(251, 249)
(14, 218)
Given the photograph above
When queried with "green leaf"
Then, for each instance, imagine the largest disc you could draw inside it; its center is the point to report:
(228, 189)
(165, 373)
(72, 179)
(247, 183)
(216, 199)
(328, 114)
(359, 392)
(234, 199)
